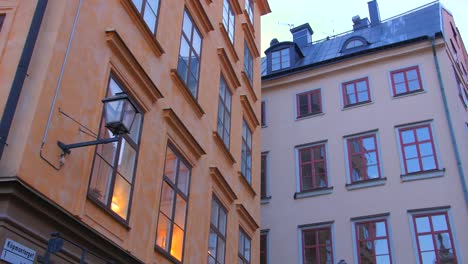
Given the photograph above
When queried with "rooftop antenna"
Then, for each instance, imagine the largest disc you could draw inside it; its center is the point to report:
(333, 31)
(290, 25)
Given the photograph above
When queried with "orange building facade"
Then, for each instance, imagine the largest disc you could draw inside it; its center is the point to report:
(182, 186)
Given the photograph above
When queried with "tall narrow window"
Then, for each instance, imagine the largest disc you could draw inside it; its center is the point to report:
(248, 63)
(173, 205)
(363, 158)
(263, 114)
(228, 19)
(434, 238)
(263, 176)
(356, 92)
(224, 113)
(372, 242)
(317, 246)
(2, 18)
(188, 65)
(312, 167)
(280, 59)
(406, 81)
(264, 247)
(309, 103)
(113, 173)
(217, 241)
(417, 147)
(246, 166)
(149, 12)
(249, 9)
(244, 248)
(462, 92)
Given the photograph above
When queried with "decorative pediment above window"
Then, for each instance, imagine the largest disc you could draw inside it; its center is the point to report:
(199, 15)
(246, 220)
(249, 113)
(228, 70)
(250, 39)
(225, 189)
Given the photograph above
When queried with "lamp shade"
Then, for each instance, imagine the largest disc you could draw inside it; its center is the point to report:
(119, 113)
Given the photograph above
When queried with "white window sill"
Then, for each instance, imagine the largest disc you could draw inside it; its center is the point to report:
(309, 116)
(313, 193)
(423, 175)
(398, 96)
(366, 184)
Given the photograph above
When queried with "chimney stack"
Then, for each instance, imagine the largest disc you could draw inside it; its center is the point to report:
(302, 35)
(374, 12)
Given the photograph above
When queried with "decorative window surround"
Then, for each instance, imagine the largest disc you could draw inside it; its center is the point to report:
(229, 44)
(228, 70)
(249, 86)
(249, 113)
(250, 39)
(186, 93)
(200, 17)
(246, 221)
(225, 150)
(247, 185)
(226, 194)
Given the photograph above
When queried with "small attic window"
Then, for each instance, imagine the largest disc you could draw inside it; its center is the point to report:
(354, 42)
(280, 59)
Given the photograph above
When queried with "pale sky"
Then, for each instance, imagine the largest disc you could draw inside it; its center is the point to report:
(329, 17)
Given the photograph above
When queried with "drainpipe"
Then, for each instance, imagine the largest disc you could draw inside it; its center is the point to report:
(20, 75)
(57, 87)
(450, 124)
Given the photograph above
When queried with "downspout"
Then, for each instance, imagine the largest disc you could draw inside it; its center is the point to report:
(21, 73)
(57, 87)
(450, 124)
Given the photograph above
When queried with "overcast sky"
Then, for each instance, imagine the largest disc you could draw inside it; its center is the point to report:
(328, 17)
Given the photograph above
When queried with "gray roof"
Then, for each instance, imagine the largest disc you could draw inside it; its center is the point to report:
(421, 22)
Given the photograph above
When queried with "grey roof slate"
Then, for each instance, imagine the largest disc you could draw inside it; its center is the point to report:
(424, 21)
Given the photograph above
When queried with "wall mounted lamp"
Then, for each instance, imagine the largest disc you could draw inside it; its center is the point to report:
(119, 114)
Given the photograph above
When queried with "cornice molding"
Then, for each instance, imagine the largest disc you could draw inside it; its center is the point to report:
(252, 119)
(228, 71)
(221, 182)
(198, 14)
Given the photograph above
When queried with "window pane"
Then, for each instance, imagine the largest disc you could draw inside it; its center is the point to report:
(187, 25)
(310, 256)
(309, 238)
(100, 180)
(422, 224)
(428, 163)
(411, 152)
(211, 260)
(371, 158)
(194, 66)
(150, 18)
(136, 126)
(372, 172)
(193, 85)
(443, 242)
(412, 74)
(423, 134)
(362, 86)
(138, 4)
(426, 149)
(171, 165)
(303, 104)
(385, 259)
(214, 213)
(197, 41)
(400, 88)
(164, 232)
(221, 247)
(381, 246)
(414, 85)
(247, 249)
(380, 229)
(177, 242)
(413, 165)
(127, 160)
(363, 96)
(241, 243)
(426, 243)
(179, 217)
(184, 50)
(324, 236)
(121, 197)
(368, 143)
(428, 257)
(212, 242)
(167, 199)
(183, 178)
(439, 223)
(222, 221)
(398, 77)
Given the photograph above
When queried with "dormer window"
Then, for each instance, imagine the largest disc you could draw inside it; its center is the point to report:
(280, 59)
(354, 43)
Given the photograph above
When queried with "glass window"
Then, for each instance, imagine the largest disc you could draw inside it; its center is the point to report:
(363, 158)
(249, 9)
(354, 43)
(224, 113)
(229, 19)
(244, 248)
(263, 114)
(263, 176)
(280, 59)
(406, 80)
(356, 92)
(173, 205)
(417, 148)
(2, 18)
(188, 66)
(312, 168)
(248, 63)
(217, 239)
(114, 166)
(309, 103)
(246, 163)
(434, 238)
(148, 10)
(372, 242)
(263, 247)
(317, 246)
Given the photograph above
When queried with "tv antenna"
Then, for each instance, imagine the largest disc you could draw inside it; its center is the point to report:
(290, 25)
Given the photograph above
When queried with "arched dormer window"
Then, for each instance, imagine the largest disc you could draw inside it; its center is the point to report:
(354, 43)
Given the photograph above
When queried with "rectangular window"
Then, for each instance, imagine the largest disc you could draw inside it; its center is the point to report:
(434, 238)
(217, 241)
(264, 247)
(249, 9)
(280, 59)
(356, 92)
(312, 167)
(363, 158)
(148, 10)
(406, 81)
(246, 166)
(2, 18)
(309, 103)
(372, 242)
(263, 176)
(248, 63)
(224, 113)
(417, 148)
(188, 66)
(317, 246)
(114, 166)
(462, 92)
(244, 248)
(229, 19)
(263, 114)
(173, 205)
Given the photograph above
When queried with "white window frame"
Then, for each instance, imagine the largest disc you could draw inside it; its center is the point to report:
(342, 100)
(301, 228)
(390, 85)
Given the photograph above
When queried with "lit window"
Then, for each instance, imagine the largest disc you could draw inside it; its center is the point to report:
(246, 163)
(217, 240)
(406, 81)
(148, 9)
(224, 113)
(249, 9)
(417, 148)
(263, 176)
(248, 63)
(280, 59)
(356, 92)
(317, 246)
(244, 248)
(372, 242)
(114, 166)
(312, 167)
(263, 247)
(188, 65)
(173, 205)
(363, 158)
(228, 19)
(434, 238)
(309, 103)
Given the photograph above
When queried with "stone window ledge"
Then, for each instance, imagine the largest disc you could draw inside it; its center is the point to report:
(366, 184)
(422, 175)
(313, 193)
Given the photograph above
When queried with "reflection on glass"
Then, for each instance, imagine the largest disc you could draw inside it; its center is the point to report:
(407, 136)
(167, 196)
(177, 242)
(163, 233)
(179, 217)
(439, 223)
(121, 196)
(127, 160)
(183, 178)
(425, 242)
(422, 224)
(212, 242)
(170, 165)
